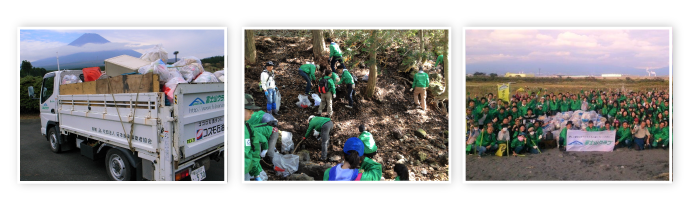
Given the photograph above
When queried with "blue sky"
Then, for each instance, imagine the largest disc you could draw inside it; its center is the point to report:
(40, 44)
(568, 52)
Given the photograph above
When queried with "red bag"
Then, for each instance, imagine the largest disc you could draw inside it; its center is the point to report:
(91, 73)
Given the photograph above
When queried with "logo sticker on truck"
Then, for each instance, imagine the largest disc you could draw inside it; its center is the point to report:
(208, 127)
(197, 101)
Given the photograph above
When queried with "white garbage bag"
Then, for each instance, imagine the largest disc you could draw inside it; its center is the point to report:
(191, 71)
(206, 77)
(278, 100)
(365, 77)
(170, 86)
(303, 101)
(220, 75)
(286, 165)
(287, 145)
(68, 79)
(155, 53)
(317, 99)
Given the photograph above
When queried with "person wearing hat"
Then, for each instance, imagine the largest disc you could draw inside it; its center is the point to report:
(308, 72)
(355, 166)
(336, 55)
(563, 135)
(534, 137)
(625, 136)
(268, 86)
(347, 79)
(252, 147)
(322, 125)
(486, 142)
(518, 144)
(402, 173)
(264, 127)
(329, 94)
(369, 143)
(420, 83)
(591, 127)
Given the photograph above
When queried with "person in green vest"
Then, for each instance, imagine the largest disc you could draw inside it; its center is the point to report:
(336, 55)
(661, 136)
(329, 94)
(486, 141)
(564, 104)
(563, 135)
(440, 59)
(518, 144)
(625, 136)
(308, 72)
(591, 127)
(554, 105)
(370, 147)
(575, 103)
(402, 173)
(347, 79)
(534, 137)
(252, 147)
(355, 166)
(323, 126)
(420, 83)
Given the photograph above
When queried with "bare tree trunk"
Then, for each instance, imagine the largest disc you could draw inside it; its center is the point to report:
(371, 83)
(250, 49)
(445, 72)
(422, 47)
(319, 45)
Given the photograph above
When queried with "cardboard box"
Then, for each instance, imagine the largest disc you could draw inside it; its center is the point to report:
(116, 85)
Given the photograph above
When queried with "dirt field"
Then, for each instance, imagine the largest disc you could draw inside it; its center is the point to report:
(391, 116)
(573, 86)
(553, 165)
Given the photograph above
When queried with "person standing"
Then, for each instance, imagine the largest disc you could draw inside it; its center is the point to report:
(336, 55)
(563, 135)
(322, 125)
(420, 83)
(640, 133)
(347, 79)
(308, 71)
(268, 86)
(327, 90)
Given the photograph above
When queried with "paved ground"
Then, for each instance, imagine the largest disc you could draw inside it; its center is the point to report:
(38, 163)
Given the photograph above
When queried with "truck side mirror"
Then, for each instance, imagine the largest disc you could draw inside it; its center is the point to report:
(31, 92)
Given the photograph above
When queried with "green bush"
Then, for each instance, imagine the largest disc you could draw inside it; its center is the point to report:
(26, 104)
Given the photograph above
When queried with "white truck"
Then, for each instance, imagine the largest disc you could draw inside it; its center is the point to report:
(138, 136)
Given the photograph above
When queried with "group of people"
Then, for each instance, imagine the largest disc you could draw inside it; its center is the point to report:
(261, 131)
(639, 118)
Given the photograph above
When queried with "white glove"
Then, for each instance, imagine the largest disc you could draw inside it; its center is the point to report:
(319, 138)
(535, 147)
(411, 89)
(263, 153)
(333, 96)
(316, 133)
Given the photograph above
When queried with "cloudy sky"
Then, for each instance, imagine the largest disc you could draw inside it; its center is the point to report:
(568, 52)
(40, 44)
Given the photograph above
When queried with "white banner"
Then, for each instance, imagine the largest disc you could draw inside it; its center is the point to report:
(583, 141)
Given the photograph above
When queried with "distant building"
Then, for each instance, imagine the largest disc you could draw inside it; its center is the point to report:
(523, 75)
(611, 75)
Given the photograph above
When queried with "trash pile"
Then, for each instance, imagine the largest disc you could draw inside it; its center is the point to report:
(580, 120)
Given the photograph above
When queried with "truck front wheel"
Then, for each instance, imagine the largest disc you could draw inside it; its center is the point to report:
(117, 166)
(54, 138)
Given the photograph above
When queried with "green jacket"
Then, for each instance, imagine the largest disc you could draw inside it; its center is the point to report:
(613, 111)
(335, 77)
(310, 70)
(576, 104)
(564, 106)
(533, 140)
(370, 170)
(248, 152)
(593, 129)
(421, 80)
(335, 50)
(369, 143)
(554, 105)
(485, 139)
(563, 135)
(346, 78)
(623, 134)
(315, 124)
(523, 109)
(330, 84)
(516, 143)
(440, 59)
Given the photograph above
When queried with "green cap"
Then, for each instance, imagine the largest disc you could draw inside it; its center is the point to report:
(249, 104)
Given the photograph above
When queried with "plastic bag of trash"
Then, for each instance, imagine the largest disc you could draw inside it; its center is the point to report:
(287, 145)
(586, 118)
(170, 86)
(278, 100)
(191, 71)
(68, 79)
(206, 77)
(286, 165)
(157, 67)
(155, 53)
(220, 75)
(566, 115)
(317, 99)
(187, 61)
(365, 77)
(303, 101)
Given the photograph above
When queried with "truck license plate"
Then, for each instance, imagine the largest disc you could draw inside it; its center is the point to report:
(198, 174)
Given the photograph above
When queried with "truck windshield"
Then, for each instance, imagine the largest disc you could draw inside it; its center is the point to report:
(47, 89)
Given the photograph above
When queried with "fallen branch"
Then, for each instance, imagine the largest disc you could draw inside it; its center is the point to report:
(297, 146)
